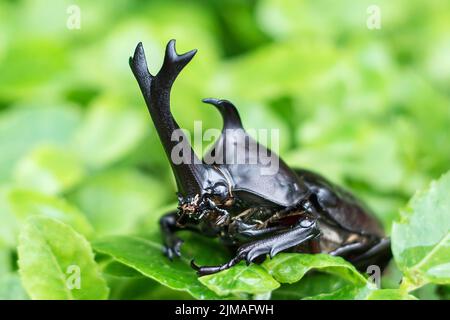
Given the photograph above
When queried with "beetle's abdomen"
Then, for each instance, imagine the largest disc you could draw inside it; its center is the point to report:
(341, 206)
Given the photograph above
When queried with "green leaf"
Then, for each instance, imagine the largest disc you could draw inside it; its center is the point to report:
(48, 59)
(240, 279)
(49, 169)
(366, 152)
(26, 203)
(347, 292)
(145, 255)
(392, 276)
(444, 292)
(291, 267)
(8, 225)
(310, 285)
(421, 239)
(110, 131)
(143, 289)
(116, 201)
(428, 292)
(151, 221)
(117, 269)
(55, 262)
(24, 127)
(5, 261)
(237, 73)
(389, 294)
(11, 287)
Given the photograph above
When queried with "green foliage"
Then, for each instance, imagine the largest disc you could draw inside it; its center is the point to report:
(421, 239)
(24, 127)
(81, 164)
(241, 280)
(49, 169)
(289, 268)
(145, 256)
(389, 294)
(11, 287)
(112, 127)
(48, 249)
(25, 203)
(115, 201)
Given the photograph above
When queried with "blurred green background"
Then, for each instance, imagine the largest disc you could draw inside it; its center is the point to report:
(369, 109)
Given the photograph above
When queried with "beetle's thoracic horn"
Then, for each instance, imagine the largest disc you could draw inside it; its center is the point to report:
(156, 91)
(230, 115)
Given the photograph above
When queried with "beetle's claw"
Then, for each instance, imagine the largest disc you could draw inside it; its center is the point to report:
(173, 250)
(253, 254)
(194, 266)
(177, 247)
(274, 250)
(202, 271)
(168, 253)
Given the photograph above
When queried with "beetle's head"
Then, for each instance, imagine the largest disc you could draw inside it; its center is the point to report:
(215, 195)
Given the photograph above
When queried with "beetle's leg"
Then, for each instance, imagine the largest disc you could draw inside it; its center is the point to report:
(350, 249)
(172, 244)
(224, 213)
(305, 206)
(245, 231)
(379, 254)
(363, 254)
(302, 232)
(383, 245)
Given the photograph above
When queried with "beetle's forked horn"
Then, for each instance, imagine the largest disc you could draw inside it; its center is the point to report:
(156, 91)
(172, 66)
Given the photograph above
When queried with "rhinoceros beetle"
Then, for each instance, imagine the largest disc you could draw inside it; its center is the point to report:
(293, 210)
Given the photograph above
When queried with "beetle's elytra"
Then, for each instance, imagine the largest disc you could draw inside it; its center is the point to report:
(255, 215)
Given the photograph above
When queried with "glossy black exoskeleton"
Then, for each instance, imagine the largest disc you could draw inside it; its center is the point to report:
(289, 210)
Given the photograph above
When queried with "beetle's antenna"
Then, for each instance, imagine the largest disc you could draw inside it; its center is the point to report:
(156, 91)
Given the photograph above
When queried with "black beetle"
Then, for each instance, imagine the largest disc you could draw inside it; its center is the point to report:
(254, 214)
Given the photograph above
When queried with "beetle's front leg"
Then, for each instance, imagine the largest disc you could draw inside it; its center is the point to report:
(244, 232)
(172, 243)
(300, 233)
(224, 214)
